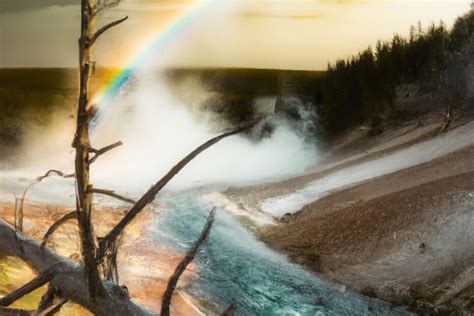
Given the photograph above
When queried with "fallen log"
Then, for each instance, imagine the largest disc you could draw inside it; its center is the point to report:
(68, 276)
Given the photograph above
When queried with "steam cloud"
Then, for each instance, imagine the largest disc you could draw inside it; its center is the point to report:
(158, 130)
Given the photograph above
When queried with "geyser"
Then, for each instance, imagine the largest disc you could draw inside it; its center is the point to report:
(158, 130)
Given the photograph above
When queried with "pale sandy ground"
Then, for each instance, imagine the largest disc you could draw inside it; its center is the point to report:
(143, 267)
(405, 235)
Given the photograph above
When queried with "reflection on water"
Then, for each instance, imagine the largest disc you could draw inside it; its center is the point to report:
(234, 267)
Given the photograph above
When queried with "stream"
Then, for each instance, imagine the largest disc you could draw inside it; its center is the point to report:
(234, 267)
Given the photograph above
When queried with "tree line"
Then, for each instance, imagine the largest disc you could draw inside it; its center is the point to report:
(362, 87)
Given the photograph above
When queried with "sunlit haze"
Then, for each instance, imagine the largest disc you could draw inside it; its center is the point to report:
(300, 34)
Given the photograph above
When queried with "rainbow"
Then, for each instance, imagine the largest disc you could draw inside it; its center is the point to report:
(104, 97)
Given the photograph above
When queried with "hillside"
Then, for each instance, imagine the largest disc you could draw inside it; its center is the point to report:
(388, 215)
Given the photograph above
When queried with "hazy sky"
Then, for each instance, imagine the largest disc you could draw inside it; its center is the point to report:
(292, 34)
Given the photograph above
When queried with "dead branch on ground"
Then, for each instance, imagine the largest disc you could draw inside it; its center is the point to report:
(56, 225)
(5, 311)
(173, 280)
(67, 276)
(29, 287)
(53, 309)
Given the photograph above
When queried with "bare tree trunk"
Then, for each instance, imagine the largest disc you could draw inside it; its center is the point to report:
(15, 218)
(82, 146)
(448, 118)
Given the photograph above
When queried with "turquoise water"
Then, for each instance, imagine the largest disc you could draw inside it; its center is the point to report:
(234, 267)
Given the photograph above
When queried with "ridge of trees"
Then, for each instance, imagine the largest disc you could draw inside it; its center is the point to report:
(364, 85)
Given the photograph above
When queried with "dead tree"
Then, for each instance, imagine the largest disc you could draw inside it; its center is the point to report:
(70, 279)
(86, 283)
(81, 143)
(455, 81)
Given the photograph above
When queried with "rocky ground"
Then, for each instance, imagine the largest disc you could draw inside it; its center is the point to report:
(405, 237)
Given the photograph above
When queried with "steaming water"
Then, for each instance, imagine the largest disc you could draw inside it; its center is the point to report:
(158, 130)
(233, 267)
(414, 155)
(266, 104)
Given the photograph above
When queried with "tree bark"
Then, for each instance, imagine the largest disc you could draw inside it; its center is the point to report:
(82, 144)
(5, 311)
(37, 282)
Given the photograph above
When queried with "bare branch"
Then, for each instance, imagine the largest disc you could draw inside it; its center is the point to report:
(59, 173)
(46, 306)
(47, 299)
(56, 225)
(29, 287)
(14, 312)
(104, 29)
(112, 194)
(110, 264)
(102, 5)
(173, 281)
(19, 211)
(55, 172)
(15, 219)
(103, 150)
(19, 208)
(52, 308)
(150, 195)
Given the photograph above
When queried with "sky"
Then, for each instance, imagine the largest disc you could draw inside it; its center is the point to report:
(283, 34)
